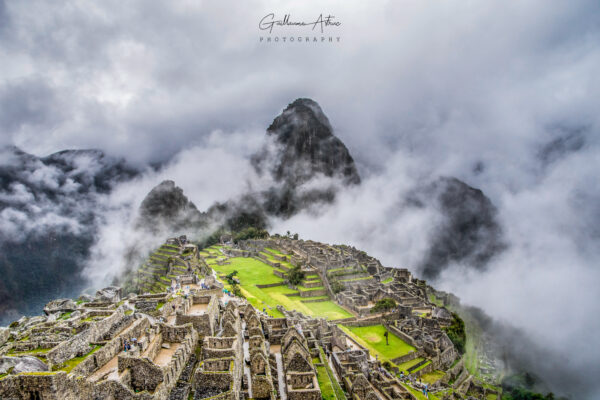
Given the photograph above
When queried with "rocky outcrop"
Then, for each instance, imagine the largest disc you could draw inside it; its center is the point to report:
(59, 306)
(111, 293)
(21, 364)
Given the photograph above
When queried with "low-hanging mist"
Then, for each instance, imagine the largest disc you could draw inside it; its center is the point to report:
(540, 282)
(502, 96)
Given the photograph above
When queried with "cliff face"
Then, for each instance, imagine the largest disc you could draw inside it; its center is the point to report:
(307, 146)
(303, 148)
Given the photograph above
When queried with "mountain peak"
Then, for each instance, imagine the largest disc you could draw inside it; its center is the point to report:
(168, 207)
(306, 111)
(308, 145)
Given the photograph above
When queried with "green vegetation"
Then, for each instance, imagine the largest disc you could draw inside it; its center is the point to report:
(33, 352)
(435, 300)
(233, 282)
(383, 305)
(250, 233)
(274, 251)
(39, 373)
(337, 389)
(295, 276)
(372, 337)
(252, 272)
(432, 376)
(422, 366)
(325, 384)
(337, 286)
(419, 395)
(522, 387)
(388, 280)
(456, 333)
(68, 365)
(160, 305)
(405, 366)
(66, 315)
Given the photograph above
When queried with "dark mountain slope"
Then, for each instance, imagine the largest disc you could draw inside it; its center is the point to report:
(469, 232)
(48, 219)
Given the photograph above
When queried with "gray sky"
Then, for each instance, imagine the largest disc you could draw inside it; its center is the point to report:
(503, 95)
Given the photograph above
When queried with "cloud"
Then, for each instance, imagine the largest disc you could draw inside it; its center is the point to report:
(416, 90)
(217, 170)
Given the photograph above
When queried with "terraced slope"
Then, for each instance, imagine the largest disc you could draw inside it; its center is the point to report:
(167, 263)
(271, 269)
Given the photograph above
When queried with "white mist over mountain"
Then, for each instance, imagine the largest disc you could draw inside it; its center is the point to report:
(502, 96)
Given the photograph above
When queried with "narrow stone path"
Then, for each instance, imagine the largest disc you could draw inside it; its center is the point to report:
(246, 348)
(281, 377)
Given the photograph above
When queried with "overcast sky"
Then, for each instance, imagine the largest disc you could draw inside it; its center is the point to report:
(503, 95)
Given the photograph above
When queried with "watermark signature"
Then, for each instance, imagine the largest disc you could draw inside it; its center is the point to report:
(268, 22)
(300, 29)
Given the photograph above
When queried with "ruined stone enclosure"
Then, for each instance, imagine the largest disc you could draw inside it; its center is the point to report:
(181, 335)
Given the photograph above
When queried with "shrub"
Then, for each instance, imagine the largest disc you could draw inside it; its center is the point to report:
(384, 305)
(336, 287)
(295, 275)
(456, 333)
(250, 233)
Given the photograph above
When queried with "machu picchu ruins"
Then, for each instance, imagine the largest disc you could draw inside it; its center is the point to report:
(224, 322)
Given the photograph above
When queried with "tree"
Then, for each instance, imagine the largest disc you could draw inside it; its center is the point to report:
(250, 233)
(235, 289)
(383, 305)
(295, 275)
(456, 333)
(230, 278)
(336, 287)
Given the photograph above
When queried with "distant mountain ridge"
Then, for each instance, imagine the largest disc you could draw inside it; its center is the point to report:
(302, 150)
(48, 220)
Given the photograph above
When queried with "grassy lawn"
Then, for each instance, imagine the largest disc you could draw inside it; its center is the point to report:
(406, 365)
(287, 264)
(68, 365)
(419, 394)
(274, 251)
(325, 384)
(337, 389)
(252, 272)
(356, 279)
(32, 352)
(372, 338)
(432, 376)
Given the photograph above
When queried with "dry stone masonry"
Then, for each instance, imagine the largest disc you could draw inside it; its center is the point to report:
(179, 335)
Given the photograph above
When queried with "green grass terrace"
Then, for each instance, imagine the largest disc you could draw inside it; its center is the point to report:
(372, 338)
(252, 272)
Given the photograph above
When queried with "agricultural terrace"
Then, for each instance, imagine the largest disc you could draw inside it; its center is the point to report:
(252, 272)
(372, 338)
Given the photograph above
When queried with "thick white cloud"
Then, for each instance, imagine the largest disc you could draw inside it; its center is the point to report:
(492, 92)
